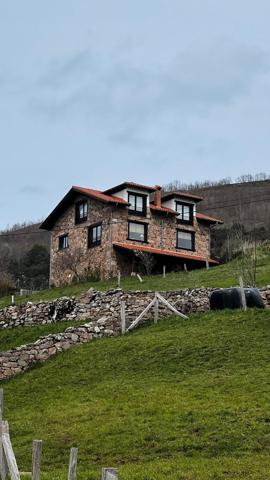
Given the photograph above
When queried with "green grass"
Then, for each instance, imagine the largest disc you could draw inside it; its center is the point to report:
(183, 400)
(226, 275)
(11, 338)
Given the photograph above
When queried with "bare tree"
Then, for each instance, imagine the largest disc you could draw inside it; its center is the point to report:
(147, 260)
(68, 265)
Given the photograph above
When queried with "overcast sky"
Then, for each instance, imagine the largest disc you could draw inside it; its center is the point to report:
(93, 93)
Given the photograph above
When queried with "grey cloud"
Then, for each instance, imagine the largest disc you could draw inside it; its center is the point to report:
(125, 99)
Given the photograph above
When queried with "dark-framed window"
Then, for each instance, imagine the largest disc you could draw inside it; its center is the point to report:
(137, 231)
(185, 240)
(185, 212)
(63, 242)
(94, 235)
(138, 203)
(81, 211)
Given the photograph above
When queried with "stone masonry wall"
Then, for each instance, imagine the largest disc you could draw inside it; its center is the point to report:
(93, 305)
(103, 307)
(104, 260)
(87, 261)
(20, 359)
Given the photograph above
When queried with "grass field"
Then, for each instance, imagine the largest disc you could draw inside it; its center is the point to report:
(226, 275)
(183, 400)
(11, 338)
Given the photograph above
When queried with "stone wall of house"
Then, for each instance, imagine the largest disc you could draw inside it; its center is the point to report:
(103, 260)
(79, 260)
(94, 304)
(19, 359)
(161, 234)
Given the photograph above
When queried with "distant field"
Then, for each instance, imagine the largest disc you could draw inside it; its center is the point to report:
(221, 276)
(183, 400)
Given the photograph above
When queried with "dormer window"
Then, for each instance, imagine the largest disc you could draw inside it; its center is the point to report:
(185, 212)
(137, 204)
(81, 212)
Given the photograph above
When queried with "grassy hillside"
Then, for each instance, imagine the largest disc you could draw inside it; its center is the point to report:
(183, 400)
(11, 338)
(226, 275)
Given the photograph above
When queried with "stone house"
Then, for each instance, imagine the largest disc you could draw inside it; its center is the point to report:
(97, 234)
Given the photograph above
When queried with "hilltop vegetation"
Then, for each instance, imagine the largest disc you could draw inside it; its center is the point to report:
(226, 275)
(184, 400)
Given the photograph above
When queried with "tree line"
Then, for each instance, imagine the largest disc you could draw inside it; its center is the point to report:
(246, 178)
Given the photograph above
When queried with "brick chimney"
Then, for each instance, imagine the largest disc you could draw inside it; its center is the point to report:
(157, 196)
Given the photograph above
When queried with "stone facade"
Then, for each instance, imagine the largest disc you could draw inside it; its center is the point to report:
(105, 260)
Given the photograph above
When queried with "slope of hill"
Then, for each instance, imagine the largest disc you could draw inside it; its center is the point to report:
(23, 239)
(246, 203)
(226, 275)
(180, 400)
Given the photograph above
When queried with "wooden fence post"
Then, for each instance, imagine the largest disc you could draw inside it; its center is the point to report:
(164, 271)
(109, 474)
(140, 278)
(156, 309)
(123, 317)
(243, 296)
(185, 267)
(119, 278)
(207, 264)
(72, 471)
(9, 454)
(3, 469)
(36, 459)
(171, 307)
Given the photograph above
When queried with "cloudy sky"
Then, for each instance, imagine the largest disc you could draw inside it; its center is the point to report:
(93, 93)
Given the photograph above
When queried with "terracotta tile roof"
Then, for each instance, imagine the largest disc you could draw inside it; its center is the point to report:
(99, 195)
(207, 218)
(158, 251)
(157, 209)
(124, 185)
(191, 196)
(48, 223)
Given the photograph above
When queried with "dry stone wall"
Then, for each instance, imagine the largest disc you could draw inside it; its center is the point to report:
(104, 310)
(94, 304)
(19, 359)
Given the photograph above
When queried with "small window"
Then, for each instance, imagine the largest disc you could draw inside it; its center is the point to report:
(137, 204)
(185, 240)
(185, 213)
(81, 212)
(63, 242)
(137, 231)
(94, 235)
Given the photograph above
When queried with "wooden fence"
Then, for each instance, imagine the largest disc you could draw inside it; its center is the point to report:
(153, 304)
(8, 463)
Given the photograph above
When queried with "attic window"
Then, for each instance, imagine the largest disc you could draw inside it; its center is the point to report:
(185, 212)
(137, 204)
(63, 242)
(81, 212)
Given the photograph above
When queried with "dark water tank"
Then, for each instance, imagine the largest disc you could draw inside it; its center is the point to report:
(231, 298)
